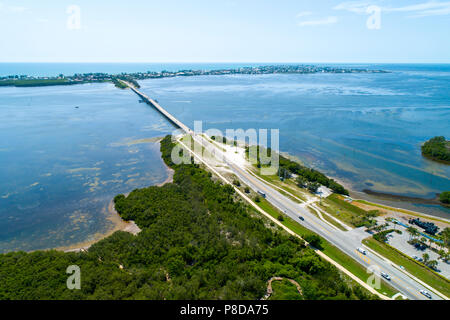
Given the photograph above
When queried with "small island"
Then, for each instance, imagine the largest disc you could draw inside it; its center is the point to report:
(444, 197)
(437, 149)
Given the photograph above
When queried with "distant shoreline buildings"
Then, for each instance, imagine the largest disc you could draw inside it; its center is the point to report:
(24, 80)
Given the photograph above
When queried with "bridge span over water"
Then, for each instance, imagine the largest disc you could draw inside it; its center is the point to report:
(163, 111)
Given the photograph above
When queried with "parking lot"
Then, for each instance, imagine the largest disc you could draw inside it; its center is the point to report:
(400, 242)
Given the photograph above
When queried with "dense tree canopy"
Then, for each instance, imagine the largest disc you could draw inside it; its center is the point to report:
(437, 148)
(444, 197)
(198, 241)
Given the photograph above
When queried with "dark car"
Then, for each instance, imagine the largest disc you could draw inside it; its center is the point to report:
(301, 218)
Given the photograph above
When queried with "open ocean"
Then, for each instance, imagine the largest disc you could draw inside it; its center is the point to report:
(60, 165)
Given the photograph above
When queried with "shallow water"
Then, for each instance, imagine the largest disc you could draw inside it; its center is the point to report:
(60, 165)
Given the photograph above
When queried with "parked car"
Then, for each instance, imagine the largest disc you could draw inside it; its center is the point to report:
(415, 257)
(426, 293)
(361, 250)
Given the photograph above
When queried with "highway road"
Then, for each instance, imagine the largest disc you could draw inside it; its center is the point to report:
(347, 241)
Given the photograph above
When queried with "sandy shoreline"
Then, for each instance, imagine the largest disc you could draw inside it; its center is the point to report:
(118, 223)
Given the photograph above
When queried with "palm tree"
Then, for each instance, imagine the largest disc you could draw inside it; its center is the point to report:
(410, 231)
(446, 236)
(426, 258)
(432, 264)
(430, 242)
(423, 240)
(416, 232)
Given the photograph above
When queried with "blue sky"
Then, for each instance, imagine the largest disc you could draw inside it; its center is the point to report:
(224, 31)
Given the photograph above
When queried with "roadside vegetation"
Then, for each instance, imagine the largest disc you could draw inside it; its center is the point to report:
(348, 213)
(198, 241)
(437, 149)
(309, 178)
(119, 84)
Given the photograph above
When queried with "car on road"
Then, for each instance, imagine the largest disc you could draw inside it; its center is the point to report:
(385, 275)
(361, 250)
(402, 267)
(262, 194)
(415, 257)
(425, 293)
(301, 218)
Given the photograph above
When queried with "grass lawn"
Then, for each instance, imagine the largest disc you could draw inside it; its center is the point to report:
(327, 218)
(421, 272)
(331, 251)
(343, 210)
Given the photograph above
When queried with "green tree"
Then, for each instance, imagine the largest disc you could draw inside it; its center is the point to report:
(432, 264)
(313, 186)
(314, 240)
(444, 197)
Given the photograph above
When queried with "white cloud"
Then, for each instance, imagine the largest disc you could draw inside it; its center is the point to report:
(424, 9)
(431, 8)
(319, 22)
(304, 14)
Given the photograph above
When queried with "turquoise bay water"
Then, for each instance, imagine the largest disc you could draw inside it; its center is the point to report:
(60, 165)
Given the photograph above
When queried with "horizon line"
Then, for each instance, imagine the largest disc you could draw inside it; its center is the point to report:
(222, 62)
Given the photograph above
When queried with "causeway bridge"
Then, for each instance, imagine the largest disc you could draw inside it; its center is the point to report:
(163, 111)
